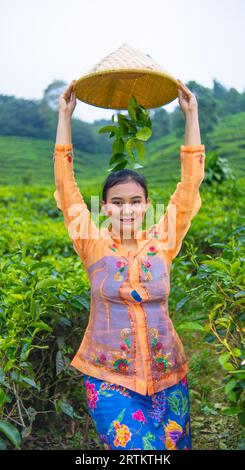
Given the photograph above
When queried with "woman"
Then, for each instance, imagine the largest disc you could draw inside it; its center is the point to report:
(132, 360)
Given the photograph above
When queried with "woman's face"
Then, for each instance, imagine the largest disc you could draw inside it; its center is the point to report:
(126, 207)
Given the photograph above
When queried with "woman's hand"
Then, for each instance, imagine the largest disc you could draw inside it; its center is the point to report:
(189, 106)
(187, 99)
(67, 101)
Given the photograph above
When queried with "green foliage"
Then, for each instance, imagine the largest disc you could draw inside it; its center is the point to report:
(44, 290)
(216, 168)
(219, 285)
(36, 119)
(44, 308)
(208, 280)
(128, 137)
(11, 432)
(44, 305)
(27, 161)
(161, 123)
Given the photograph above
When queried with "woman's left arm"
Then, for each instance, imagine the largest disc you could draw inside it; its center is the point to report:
(185, 202)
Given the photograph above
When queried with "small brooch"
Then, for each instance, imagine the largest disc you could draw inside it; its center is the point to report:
(136, 295)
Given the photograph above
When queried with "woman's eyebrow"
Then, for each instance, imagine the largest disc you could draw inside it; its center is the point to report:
(121, 199)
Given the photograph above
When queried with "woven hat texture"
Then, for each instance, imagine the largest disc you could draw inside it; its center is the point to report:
(123, 73)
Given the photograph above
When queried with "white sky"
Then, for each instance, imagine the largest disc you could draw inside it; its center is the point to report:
(41, 41)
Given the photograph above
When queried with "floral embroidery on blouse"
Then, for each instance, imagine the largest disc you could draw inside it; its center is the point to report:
(113, 247)
(122, 362)
(68, 155)
(121, 267)
(125, 333)
(121, 365)
(119, 360)
(152, 250)
(201, 158)
(153, 231)
(146, 265)
(162, 360)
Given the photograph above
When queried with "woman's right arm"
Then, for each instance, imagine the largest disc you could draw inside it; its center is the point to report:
(77, 217)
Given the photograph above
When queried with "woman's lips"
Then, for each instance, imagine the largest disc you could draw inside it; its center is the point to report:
(126, 220)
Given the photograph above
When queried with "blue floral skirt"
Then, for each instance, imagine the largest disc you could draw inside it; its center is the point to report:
(128, 420)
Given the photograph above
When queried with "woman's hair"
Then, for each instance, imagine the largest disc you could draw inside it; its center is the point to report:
(121, 176)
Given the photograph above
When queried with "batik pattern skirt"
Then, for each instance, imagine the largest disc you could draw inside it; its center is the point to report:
(125, 419)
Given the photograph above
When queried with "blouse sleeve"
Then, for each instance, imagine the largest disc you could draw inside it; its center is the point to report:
(77, 218)
(185, 202)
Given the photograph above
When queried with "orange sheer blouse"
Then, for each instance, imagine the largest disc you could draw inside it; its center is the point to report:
(130, 339)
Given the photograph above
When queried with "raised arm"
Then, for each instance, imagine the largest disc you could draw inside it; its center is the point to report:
(77, 217)
(185, 202)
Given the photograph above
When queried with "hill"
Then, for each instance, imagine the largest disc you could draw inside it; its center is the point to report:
(26, 160)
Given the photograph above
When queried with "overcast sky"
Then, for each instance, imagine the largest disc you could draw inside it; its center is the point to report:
(41, 41)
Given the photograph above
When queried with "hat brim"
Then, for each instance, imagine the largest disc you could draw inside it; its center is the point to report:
(112, 89)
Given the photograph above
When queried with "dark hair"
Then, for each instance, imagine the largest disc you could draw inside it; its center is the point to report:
(116, 177)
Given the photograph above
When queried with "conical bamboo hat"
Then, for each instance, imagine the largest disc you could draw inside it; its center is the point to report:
(123, 73)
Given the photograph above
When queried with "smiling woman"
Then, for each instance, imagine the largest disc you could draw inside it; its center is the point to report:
(131, 356)
(125, 201)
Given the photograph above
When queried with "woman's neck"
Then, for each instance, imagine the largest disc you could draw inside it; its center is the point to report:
(125, 241)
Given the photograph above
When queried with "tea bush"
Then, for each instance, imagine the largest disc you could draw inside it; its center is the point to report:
(44, 308)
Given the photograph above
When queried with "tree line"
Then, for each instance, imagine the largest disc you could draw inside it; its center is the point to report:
(38, 118)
